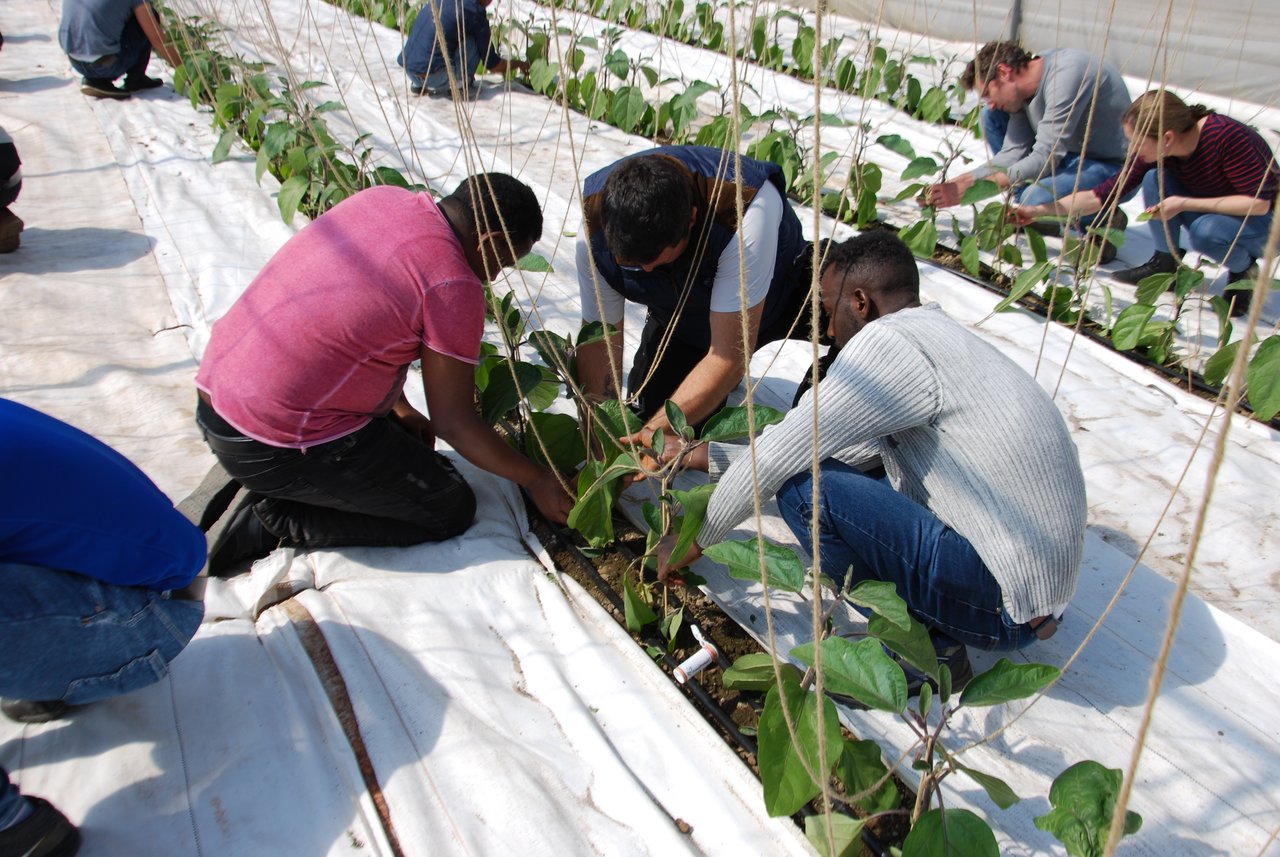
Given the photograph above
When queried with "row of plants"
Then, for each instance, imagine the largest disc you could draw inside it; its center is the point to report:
(1150, 328)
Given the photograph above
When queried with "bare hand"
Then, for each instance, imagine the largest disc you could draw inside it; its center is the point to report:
(1168, 208)
(1025, 215)
(551, 498)
(668, 571)
(417, 425)
(941, 195)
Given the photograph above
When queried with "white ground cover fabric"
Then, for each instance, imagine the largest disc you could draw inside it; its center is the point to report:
(499, 709)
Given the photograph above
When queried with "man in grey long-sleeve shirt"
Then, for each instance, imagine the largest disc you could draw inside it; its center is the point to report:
(1053, 123)
(979, 520)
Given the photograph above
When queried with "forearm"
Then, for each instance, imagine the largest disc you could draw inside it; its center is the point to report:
(600, 367)
(1238, 205)
(1082, 203)
(705, 387)
(155, 35)
(479, 443)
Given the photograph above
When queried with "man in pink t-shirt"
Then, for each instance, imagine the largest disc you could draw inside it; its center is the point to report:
(302, 385)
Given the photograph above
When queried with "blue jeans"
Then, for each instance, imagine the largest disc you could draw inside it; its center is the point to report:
(995, 124)
(134, 55)
(68, 637)
(10, 800)
(869, 530)
(465, 61)
(1210, 234)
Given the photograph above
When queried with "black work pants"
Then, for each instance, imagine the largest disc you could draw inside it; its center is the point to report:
(377, 486)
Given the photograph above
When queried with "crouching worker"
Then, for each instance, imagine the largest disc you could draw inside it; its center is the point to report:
(981, 534)
(93, 561)
(302, 385)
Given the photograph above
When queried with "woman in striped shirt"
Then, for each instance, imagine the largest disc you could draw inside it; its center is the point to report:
(1201, 172)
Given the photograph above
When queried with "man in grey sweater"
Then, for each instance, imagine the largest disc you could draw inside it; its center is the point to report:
(1053, 123)
(979, 519)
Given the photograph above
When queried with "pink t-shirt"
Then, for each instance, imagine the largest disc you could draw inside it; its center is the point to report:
(322, 339)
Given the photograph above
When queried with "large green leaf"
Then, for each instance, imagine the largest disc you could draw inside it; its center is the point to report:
(618, 63)
(552, 348)
(1263, 378)
(969, 254)
(912, 643)
(755, 672)
(920, 167)
(783, 568)
(1026, 282)
(1084, 800)
(628, 108)
(1151, 288)
(1126, 333)
(598, 490)
(861, 767)
(1007, 681)
(861, 670)
(693, 504)
(897, 143)
(292, 192)
(847, 833)
(950, 833)
(503, 392)
(787, 784)
(613, 422)
(882, 597)
(675, 417)
(921, 237)
(560, 435)
(978, 191)
(732, 423)
(1217, 366)
(534, 263)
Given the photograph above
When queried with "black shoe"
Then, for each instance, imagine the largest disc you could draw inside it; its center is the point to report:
(10, 231)
(1159, 263)
(44, 833)
(140, 82)
(1119, 222)
(26, 711)
(101, 87)
(244, 540)
(1242, 299)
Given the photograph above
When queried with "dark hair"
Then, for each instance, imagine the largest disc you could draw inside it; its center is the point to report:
(1157, 111)
(647, 207)
(496, 202)
(981, 70)
(878, 260)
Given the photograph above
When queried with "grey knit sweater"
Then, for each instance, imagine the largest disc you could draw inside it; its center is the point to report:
(960, 429)
(1054, 122)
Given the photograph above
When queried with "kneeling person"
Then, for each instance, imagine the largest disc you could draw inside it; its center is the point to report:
(302, 385)
(984, 553)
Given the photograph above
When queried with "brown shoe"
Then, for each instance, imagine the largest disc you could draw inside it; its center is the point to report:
(10, 230)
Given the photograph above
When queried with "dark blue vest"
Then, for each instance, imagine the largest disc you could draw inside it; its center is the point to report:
(691, 277)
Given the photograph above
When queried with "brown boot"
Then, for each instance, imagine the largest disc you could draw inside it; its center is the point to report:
(10, 228)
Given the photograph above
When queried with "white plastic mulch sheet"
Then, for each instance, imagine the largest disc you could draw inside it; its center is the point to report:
(455, 698)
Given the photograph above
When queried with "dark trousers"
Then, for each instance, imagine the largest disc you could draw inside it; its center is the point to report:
(377, 486)
(134, 55)
(654, 377)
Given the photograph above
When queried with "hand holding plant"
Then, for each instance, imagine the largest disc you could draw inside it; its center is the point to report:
(669, 563)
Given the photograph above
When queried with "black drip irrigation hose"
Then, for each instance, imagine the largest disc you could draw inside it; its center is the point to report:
(1191, 379)
(703, 699)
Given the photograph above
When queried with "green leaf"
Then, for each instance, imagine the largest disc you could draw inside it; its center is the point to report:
(980, 190)
(997, 789)
(628, 107)
(598, 490)
(897, 143)
(731, 423)
(921, 237)
(670, 626)
(613, 421)
(638, 614)
(969, 254)
(783, 568)
(1143, 217)
(1084, 800)
(223, 148)
(675, 416)
(1126, 333)
(1007, 681)
(1039, 252)
(950, 833)
(755, 672)
(787, 784)
(542, 76)
(292, 192)
(693, 503)
(559, 433)
(279, 136)
(1186, 281)
(535, 263)
(847, 832)
(912, 643)
(1026, 282)
(861, 670)
(1219, 365)
(618, 63)
(1263, 378)
(552, 348)
(882, 597)
(861, 767)
(503, 392)
(1151, 288)
(920, 167)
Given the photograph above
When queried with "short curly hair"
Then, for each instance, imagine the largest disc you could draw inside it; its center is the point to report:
(497, 201)
(878, 258)
(647, 207)
(981, 70)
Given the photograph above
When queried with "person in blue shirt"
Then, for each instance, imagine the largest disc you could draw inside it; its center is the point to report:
(98, 577)
(451, 36)
(106, 39)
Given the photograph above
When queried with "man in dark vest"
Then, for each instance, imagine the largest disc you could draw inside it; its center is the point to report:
(662, 229)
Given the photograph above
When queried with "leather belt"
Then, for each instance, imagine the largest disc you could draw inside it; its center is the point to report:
(1045, 627)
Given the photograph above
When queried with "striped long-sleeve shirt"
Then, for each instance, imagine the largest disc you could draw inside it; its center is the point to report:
(1230, 159)
(961, 429)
